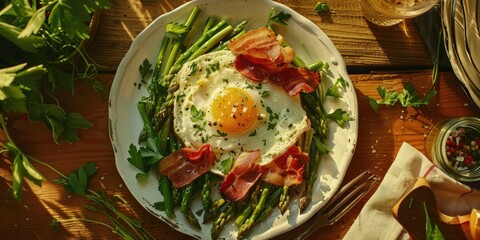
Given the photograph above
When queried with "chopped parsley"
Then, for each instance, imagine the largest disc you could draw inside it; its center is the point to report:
(265, 93)
(196, 115)
(193, 69)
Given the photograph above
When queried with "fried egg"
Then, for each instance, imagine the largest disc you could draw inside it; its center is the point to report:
(215, 104)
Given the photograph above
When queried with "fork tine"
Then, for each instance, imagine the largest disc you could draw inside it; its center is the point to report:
(345, 188)
(355, 191)
(364, 187)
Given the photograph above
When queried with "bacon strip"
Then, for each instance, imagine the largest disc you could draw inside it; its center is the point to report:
(261, 46)
(257, 38)
(185, 165)
(243, 175)
(296, 80)
(287, 169)
(261, 56)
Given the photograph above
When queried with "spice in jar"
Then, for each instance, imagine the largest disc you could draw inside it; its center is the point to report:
(453, 146)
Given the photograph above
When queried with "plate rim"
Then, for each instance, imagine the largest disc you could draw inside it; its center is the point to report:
(353, 128)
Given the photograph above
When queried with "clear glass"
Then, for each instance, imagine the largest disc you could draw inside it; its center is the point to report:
(391, 12)
(453, 146)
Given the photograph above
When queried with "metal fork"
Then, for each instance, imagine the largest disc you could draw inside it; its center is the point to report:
(352, 193)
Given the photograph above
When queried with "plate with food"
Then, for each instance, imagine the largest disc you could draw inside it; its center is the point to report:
(232, 119)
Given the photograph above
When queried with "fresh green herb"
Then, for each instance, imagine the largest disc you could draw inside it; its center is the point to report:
(76, 182)
(409, 96)
(281, 18)
(193, 69)
(176, 30)
(432, 230)
(265, 94)
(252, 134)
(197, 115)
(38, 40)
(145, 157)
(321, 7)
(145, 71)
(221, 134)
(227, 164)
(271, 126)
(335, 89)
(340, 116)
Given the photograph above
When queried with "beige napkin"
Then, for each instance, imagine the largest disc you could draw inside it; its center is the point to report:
(376, 221)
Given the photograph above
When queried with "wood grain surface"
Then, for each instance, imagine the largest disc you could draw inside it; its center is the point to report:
(374, 56)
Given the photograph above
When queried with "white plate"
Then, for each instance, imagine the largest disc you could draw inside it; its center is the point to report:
(309, 42)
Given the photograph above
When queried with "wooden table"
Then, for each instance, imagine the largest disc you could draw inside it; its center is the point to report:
(374, 56)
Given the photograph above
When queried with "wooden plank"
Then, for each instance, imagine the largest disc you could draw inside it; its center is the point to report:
(362, 45)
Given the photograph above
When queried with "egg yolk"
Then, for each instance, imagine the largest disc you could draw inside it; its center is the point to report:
(234, 111)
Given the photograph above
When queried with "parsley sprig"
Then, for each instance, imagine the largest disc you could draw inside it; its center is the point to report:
(409, 96)
(76, 182)
(41, 44)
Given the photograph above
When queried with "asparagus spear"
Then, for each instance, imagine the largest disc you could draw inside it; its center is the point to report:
(256, 213)
(191, 218)
(222, 219)
(273, 199)
(178, 42)
(214, 210)
(284, 200)
(206, 188)
(311, 177)
(187, 196)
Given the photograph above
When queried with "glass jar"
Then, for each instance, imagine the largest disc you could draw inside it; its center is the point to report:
(453, 146)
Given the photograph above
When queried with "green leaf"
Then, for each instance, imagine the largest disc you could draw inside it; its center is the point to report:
(175, 30)
(196, 115)
(31, 173)
(135, 158)
(432, 230)
(78, 181)
(59, 79)
(322, 148)
(90, 168)
(373, 103)
(17, 180)
(340, 116)
(13, 105)
(281, 18)
(321, 7)
(28, 44)
(76, 120)
(28, 78)
(72, 16)
(34, 24)
(145, 69)
(227, 165)
(11, 92)
(55, 126)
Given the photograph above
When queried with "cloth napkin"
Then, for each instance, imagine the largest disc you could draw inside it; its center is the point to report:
(376, 221)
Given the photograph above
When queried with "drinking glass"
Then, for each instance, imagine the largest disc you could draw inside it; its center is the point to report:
(391, 12)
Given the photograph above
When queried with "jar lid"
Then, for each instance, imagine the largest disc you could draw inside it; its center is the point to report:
(459, 151)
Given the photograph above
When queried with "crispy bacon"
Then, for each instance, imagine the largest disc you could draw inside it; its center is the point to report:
(261, 46)
(287, 169)
(257, 38)
(243, 175)
(249, 69)
(185, 165)
(261, 56)
(296, 80)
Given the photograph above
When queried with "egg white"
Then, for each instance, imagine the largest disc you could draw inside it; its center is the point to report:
(281, 118)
